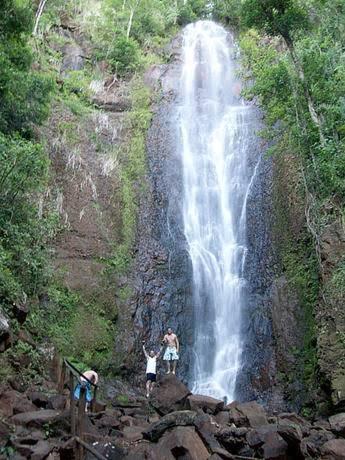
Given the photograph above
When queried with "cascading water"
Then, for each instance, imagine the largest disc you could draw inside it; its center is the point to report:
(215, 137)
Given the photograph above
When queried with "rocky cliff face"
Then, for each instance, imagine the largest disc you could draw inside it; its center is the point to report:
(163, 275)
(330, 316)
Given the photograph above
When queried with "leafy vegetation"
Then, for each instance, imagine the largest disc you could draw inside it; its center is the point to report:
(24, 95)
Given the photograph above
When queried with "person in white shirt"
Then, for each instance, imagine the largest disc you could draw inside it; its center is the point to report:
(151, 369)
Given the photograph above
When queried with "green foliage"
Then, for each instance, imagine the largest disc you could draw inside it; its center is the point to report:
(191, 11)
(227, 11)
(23, 233)
(282, 17)
(129, 30)
(124, 56)
(23, 92)
(78, 329)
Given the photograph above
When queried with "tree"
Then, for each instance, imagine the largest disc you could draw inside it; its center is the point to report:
(283, 18)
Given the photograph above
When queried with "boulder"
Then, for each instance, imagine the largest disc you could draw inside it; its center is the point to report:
(112, 103)
(98, 406)
(39, 399)
(109, 450)
(142, 451)
(57, 402)
(221, 454)
(310, 446)
(333, 450)
(32, 448)
(5, 332)
(292, 434)
(178, 418)
(322, 424)
(20, 311)
(205, 403)
(36, 418)
(232, 438)
(293, 418)
(207, 429)
(132, 433)
(170, 395)
(126, 420)
(222, 418)
(12, 402)
(274, 448)
(5, 432)
(258, 437)
(181, 442)
(247, 414)
(337, 423)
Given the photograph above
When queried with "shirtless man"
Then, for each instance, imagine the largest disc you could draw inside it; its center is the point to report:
(171, 352)
(91, 376)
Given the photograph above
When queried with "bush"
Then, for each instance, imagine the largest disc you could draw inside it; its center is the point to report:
(124, 57)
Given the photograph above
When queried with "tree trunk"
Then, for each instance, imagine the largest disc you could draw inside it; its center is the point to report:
(38, 15)
(130, 22)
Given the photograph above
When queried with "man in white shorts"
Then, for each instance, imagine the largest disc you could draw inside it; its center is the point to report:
(171, 352)
(151, 369)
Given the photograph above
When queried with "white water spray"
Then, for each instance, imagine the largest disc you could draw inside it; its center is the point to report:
(216, 132)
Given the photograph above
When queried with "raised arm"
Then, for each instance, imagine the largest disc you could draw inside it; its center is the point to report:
(145, 352)
(177, 344)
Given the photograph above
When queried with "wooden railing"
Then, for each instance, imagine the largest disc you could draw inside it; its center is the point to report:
(78, 417)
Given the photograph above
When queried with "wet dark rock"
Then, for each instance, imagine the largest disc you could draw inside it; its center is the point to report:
(20, 311)
(178, 418)
(205, 403)
(330, 317)
(163, 271)
(73, 57)
(170, 395)
(5, 336)
(132, 433)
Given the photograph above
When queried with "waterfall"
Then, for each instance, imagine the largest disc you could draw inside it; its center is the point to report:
(215, 134)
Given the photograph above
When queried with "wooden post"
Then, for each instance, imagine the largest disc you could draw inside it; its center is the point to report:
(72, 403)
(93, 402)
(62, 377)
(81, 424)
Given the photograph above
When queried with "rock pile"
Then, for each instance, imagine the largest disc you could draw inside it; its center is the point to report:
(173, 424)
